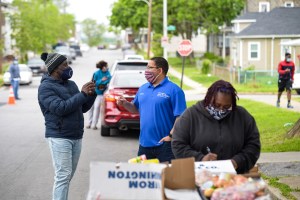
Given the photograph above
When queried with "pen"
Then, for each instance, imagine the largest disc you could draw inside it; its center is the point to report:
(208, 150)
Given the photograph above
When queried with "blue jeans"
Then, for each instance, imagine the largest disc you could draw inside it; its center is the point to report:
(163, 152)
(65, 156)
(15, 86)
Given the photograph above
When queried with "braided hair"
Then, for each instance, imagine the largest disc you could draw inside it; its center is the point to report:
(220, 86)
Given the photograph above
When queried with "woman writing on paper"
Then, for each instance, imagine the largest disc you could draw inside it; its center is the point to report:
(216, 128)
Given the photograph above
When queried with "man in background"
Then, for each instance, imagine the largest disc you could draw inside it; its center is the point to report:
(286, 70)
(15, 77)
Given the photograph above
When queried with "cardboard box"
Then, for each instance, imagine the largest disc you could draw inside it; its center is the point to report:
(179, 175)
(113, 181)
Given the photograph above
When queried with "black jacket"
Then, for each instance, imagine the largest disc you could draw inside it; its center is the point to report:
(63, 105)
(234, 137)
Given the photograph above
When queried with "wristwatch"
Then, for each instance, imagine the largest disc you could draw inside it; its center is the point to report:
(170, 135)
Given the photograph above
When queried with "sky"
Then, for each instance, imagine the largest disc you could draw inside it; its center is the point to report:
(94, 9)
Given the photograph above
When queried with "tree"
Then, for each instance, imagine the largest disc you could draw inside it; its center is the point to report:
(129, 14)
(93, 31)
(38, 24)
(295, 131)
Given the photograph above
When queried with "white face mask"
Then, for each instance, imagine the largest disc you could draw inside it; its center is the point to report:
(15, 62)
(288, 59)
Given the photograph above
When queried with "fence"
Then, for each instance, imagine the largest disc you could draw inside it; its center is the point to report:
(236, 75)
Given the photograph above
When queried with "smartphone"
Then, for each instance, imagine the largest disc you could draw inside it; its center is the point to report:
(93, 80)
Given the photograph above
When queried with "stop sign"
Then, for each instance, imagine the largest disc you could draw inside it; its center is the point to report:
(185, 48)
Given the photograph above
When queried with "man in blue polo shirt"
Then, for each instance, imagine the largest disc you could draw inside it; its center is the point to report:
(159, 102)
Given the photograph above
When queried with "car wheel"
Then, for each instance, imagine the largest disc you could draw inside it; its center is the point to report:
(298, 91)
(105, 131)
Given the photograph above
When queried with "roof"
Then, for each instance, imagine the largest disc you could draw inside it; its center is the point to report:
(251, 16)
(279, 21)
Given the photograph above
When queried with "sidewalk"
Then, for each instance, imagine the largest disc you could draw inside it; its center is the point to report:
(199, 91)
(285, 165)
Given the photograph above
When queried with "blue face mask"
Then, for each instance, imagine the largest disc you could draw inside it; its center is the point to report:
(217, 113)
(67, 73)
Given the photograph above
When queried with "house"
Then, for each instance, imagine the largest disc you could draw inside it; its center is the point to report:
(261, 38)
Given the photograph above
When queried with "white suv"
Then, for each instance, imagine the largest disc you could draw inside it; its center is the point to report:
(296, 84)
(129, 65)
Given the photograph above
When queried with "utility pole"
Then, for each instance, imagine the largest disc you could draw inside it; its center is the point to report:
(149, 3)
(165, 25)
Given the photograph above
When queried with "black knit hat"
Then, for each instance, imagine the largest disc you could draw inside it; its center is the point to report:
(52, 60)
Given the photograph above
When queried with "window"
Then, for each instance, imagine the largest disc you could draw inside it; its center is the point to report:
(289, 4)
(254, 51)
(264, 6)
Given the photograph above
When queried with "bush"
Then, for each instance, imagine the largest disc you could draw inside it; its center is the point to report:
(210, 56)
(156, 45)
(206, 66)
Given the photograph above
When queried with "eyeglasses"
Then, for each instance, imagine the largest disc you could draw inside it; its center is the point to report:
(149, 67)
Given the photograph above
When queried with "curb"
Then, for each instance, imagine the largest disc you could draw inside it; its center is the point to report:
(274, 192)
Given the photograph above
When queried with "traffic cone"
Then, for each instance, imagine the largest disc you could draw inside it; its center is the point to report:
(11, 97)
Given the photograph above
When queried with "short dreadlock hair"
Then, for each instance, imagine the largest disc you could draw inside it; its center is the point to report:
(223, 87)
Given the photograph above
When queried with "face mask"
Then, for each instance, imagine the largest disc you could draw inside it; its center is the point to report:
(15, 62)
(217, 113)
(67, 73)
(288, 59)
(150, 76)
(104, 69)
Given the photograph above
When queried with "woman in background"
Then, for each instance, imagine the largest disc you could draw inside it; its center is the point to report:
(101, 78)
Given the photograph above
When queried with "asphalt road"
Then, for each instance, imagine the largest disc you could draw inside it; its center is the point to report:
(26, 168)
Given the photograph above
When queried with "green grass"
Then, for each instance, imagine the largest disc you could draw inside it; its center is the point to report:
(261, 85)
(177, 81)
(270, 122)
(284, 189)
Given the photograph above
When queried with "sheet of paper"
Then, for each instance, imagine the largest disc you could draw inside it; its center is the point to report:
(216, 166)
(182, 194)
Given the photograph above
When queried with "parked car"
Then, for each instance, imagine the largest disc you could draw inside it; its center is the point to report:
(296, 84)
(64, 50)
(101, 46)
(37, 65)
(73, 53)
(126, 46)
(112, 47)
(77, 49)
(129, 65)
(25, 73)
(84, 47)
(134, 57)
(125, 83)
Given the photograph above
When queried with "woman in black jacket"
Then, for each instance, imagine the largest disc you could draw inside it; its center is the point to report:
(218, 129)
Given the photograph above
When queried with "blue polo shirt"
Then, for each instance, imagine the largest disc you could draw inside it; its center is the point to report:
(158, 107)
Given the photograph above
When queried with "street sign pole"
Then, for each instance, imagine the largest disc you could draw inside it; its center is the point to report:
(182, 71)
(184, 49)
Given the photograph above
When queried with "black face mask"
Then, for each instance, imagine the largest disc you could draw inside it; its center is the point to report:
(67, 73)
(217, 113)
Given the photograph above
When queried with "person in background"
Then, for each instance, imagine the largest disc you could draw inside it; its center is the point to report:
(14, 71)
(286, 71)
(63, 105)
(159, 102)
(101, 78)
(216, 128)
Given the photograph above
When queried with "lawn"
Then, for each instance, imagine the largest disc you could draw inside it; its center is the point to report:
(273, 123)
(190, 70)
